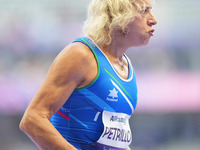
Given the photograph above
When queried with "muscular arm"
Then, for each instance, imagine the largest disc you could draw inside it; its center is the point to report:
(69, 71)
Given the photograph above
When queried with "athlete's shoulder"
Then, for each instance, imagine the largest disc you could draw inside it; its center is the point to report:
(78, 50)
(72, 64)
(74, 52)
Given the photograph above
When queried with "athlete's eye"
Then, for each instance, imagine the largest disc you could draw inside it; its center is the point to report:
(144, 11)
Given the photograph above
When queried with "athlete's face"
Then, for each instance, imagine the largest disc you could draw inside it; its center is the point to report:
(141, 29)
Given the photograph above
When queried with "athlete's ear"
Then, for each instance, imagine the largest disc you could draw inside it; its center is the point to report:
(119, 32)
(123, 32)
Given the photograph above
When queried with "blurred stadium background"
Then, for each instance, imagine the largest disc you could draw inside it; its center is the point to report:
(32, 33)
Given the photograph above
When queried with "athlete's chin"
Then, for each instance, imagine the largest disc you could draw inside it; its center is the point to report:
(144, 42)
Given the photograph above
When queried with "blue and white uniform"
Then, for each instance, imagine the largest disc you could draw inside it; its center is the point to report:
(97, 116)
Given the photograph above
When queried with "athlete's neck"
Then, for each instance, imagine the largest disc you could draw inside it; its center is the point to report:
(116, 48)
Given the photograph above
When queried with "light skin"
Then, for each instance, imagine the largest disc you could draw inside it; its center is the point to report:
(72, 69)
(139, 33)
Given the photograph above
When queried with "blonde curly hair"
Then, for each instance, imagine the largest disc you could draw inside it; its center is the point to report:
(106, 15)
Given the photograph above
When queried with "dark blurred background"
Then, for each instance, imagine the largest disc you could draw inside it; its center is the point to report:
(32, 33)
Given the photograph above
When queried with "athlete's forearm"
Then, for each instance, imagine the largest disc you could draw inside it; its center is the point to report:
(43, 133)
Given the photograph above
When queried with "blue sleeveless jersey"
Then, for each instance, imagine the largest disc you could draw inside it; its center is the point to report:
(79, 120)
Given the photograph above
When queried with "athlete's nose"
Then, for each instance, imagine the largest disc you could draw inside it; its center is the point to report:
(152, 20)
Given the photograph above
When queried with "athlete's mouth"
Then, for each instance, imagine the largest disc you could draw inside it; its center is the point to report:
(151, 32)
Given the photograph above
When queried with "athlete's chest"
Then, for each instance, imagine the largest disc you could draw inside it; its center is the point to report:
(115, 94)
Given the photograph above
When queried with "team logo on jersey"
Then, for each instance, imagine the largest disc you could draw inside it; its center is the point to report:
(113, 95)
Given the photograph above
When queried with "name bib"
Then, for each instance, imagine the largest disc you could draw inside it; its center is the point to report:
(117, 134)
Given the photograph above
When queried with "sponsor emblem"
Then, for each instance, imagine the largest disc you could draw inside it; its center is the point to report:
(113, 95)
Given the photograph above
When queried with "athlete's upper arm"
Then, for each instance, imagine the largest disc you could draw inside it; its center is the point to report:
(68, 70)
